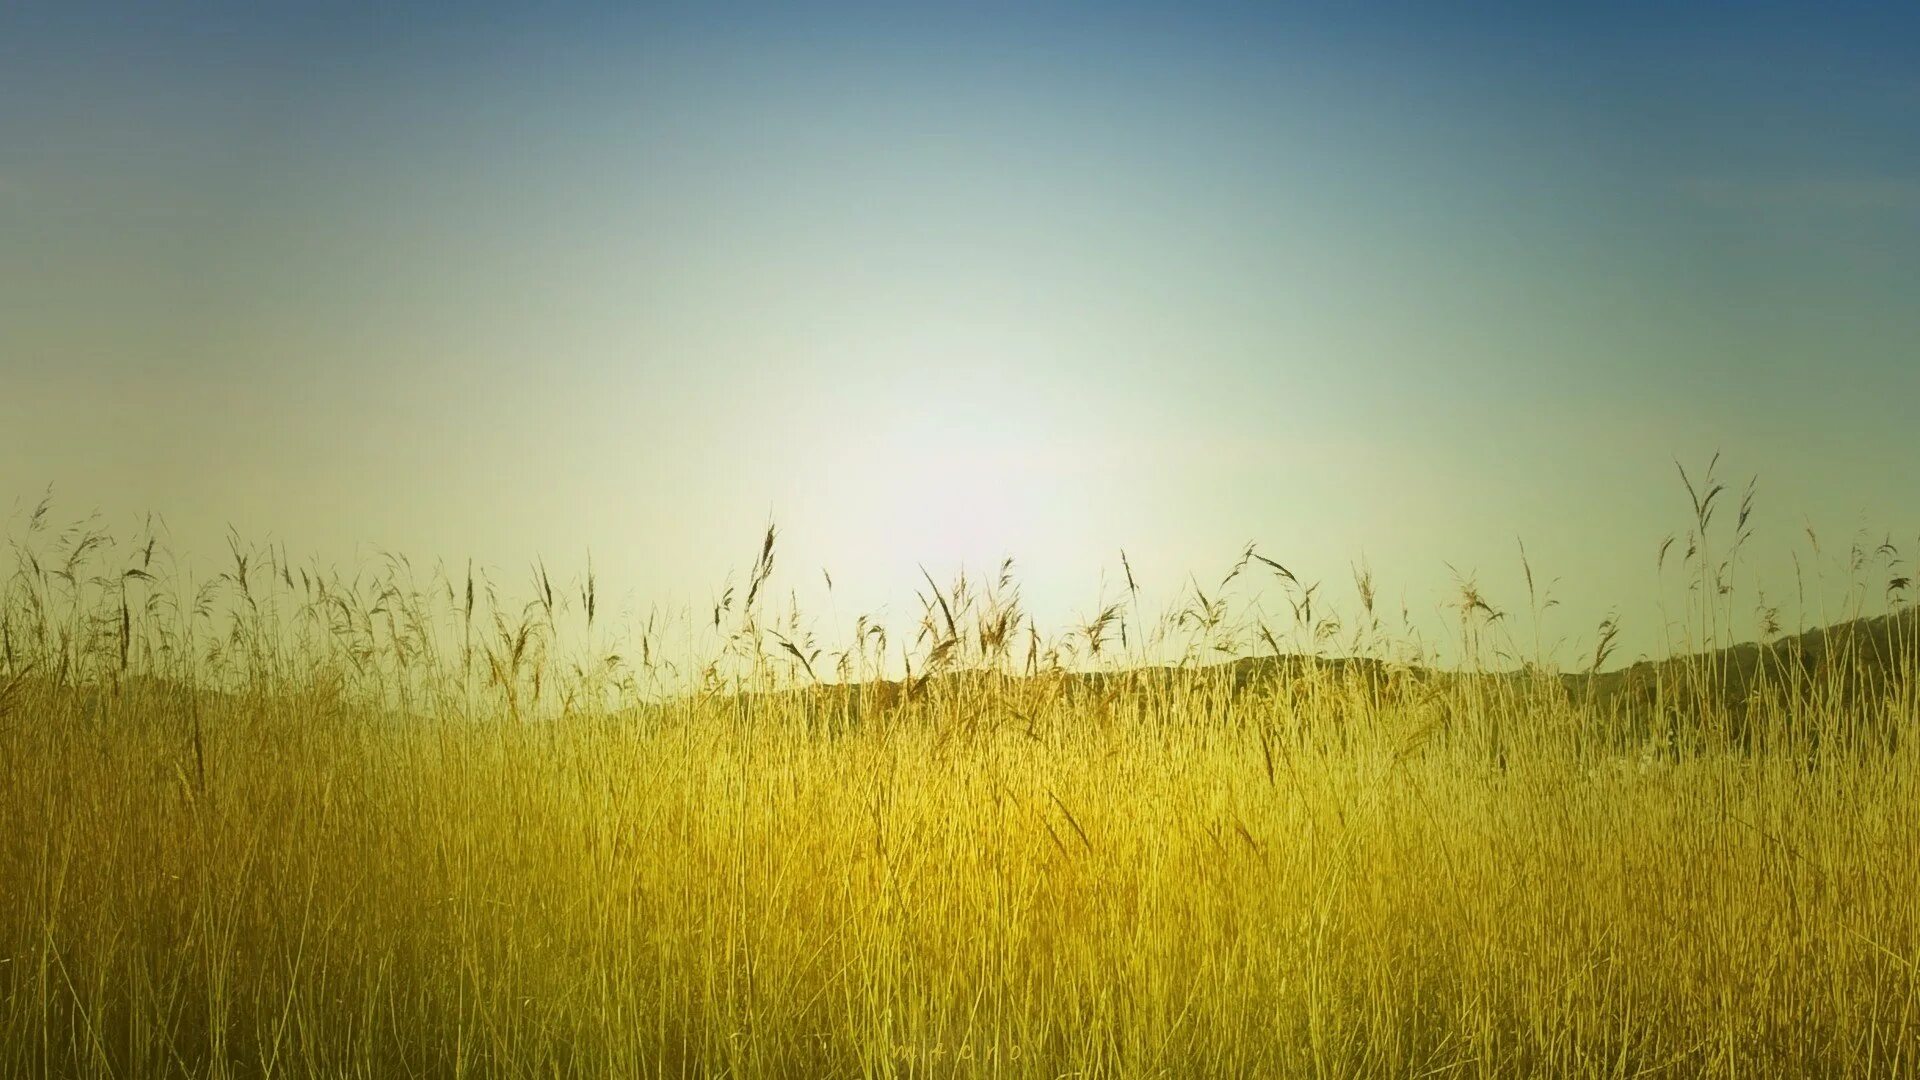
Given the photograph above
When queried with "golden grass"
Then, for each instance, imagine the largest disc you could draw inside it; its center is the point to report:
(230, 846)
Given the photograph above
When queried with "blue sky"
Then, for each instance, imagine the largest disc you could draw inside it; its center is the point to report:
(932, 286)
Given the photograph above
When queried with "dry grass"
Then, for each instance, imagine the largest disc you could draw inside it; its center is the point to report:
(274, 827)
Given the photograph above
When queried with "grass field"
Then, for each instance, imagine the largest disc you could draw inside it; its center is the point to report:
(281, 825)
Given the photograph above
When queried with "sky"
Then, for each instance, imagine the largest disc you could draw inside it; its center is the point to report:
(930, 286)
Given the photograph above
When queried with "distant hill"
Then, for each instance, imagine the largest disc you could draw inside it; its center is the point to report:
(1832, 672)
(1839, 667)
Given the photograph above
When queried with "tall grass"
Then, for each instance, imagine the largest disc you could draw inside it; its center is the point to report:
(286, 823)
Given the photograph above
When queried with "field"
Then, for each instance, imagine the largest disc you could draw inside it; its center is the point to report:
(291, 825)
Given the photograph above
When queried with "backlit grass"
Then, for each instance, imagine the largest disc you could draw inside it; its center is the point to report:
(272, 827)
